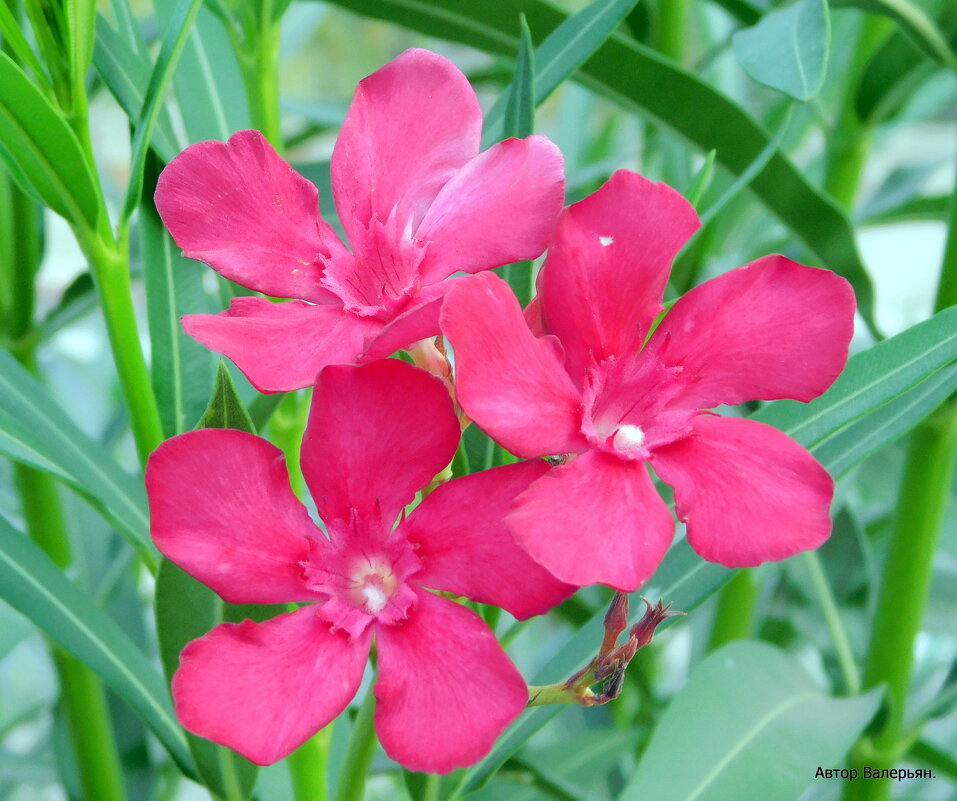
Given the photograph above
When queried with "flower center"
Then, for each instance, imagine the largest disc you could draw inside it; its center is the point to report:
(374, 583)
(628, 438)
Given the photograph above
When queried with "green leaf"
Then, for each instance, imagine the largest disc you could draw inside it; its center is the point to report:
(187, 609)
(642, 80)
(174, 40)
(208, 84)
(226, 409)
(752, 718)
(42, 151)
(14, 39)
(126, 74)
(520, 103)
(182, 368)
(564, 50)
(702, 180)
(36, 431)
(33, 585)
(874, 399)
(915, 22)
(788, 49)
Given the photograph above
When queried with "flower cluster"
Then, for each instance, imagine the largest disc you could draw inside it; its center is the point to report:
(590, 372)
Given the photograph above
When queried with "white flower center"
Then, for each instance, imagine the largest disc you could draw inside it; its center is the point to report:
(374, 584)
(628, 438)
(375, 597)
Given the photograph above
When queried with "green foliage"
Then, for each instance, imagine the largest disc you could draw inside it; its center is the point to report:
(788, 49)
(751, 717)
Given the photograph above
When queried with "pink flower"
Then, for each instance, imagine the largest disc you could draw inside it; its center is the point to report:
(574, 377)
(416, 198)
(222, 509)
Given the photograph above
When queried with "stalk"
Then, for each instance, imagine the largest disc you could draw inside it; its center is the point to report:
(671, 29)
(362, 743)
(308, 767)
(255, 41)
(905, 582)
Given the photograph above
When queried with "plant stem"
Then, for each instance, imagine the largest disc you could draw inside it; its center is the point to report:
(905, 583)
(734, 616)
(308, 767)
(110, 264)
(362, 744)
(842, 646)
(671, 28)
(257, 50)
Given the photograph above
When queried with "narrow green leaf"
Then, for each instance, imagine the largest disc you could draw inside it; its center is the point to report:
(182, 368)
(33, 585)
(872, 379)
(14, 39)
(36, 431)
(208, 84)
(915, 22)
(564, 50)
(187, 609)
(702, 180)
(174, 40)
(226, 409)
(520, 105)
(126, 74)
(746, 714)
(642, 80)
(788, 49)
(42, 151)
(889, 79)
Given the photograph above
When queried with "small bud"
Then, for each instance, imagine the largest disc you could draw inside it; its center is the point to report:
(616, 621)
(644, 630)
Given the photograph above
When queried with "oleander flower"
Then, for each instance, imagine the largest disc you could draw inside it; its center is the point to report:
(576, 377)
(222, 509)
(417, 200)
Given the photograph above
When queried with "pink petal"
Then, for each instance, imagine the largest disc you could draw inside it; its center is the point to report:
(606, 272)
(749, 493)
(598, 520)
(282, 346)
(222, 509)
(466, 548)
(263, 689)
(773, 329)
(501, 207)
(246, 213)
(510, 383)
(411, 126)
(376, 434)
(419, 321)
(446, 689)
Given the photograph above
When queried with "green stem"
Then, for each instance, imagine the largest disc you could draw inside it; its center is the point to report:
(110, 265)
(286, 427)
(430, 792)
(308, 767)
(734, 616)
(842, 646)
(82, 694)
(671, 28)
(358, 759)
(258, 53)
(905, 582)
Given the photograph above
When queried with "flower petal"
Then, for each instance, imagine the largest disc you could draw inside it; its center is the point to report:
(501, 207)
(466, 548)
(282, 346)
(376, 434)
(748, 493)
(411, 126)
(774, 329)
(245, 212)
(222, 509)
(598, 520)
(419, 321)
(606, 272)
(446, 689)
(263, 689)
(510, 383)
